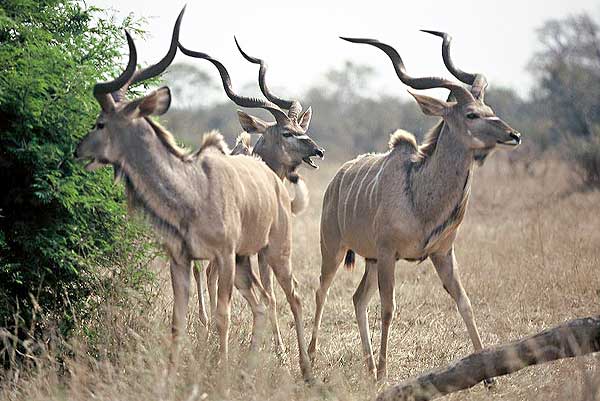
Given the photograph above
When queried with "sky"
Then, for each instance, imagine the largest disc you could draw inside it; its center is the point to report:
(299, 39)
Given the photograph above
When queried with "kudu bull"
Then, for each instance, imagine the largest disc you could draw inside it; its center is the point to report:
(409, 202)
(206, 205)
(283, 146)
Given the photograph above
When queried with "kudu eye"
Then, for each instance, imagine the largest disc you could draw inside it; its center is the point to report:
(286, 134)
(472, 116)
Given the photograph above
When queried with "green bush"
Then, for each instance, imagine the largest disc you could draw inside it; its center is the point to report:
(60, 227)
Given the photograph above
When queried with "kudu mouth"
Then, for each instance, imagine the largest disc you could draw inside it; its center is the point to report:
(320, 153)
(92, 163)
(514, 141)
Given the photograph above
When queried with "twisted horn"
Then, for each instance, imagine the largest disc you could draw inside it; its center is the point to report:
(103, 90)
(460, 93)
(294, 106)
(242, 101)
(156, 69)
(478, 81)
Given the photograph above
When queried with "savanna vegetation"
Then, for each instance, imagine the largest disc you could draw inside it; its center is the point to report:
(85, 296)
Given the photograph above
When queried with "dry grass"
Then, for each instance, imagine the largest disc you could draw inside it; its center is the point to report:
(528, 253)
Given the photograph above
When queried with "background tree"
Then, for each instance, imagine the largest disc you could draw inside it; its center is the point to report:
(567, 69)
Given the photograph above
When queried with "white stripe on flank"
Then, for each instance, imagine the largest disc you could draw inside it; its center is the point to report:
(350, 192)
(358, 191)
(375, 183)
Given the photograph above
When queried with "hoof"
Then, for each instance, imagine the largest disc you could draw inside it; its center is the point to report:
(490, 383)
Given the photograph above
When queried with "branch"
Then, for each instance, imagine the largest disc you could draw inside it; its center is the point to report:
(570, 339)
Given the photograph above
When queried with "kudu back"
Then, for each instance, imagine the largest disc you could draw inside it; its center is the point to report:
(408, 203)
(205, 205)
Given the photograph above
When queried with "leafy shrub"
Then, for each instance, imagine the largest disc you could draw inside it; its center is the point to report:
(60, 227)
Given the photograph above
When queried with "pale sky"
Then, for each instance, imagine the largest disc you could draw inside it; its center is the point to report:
(299, 38)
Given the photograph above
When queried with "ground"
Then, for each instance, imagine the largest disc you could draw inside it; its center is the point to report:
(528, 255)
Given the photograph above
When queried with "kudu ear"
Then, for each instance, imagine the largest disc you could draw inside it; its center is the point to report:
(251, 124)
(304, 119)
(155, 103)
(430, 105)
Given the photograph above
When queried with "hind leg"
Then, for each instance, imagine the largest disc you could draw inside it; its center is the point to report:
(248, 285)
(226, 272)
(282, 268)
(197, 267)
(385, 277)
(266, 279)
(212, 274)
(361, 299)
(332, 255)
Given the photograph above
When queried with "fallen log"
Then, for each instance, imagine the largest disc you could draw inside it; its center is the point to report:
(573, 338)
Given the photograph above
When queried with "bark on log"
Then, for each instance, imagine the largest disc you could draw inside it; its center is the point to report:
(570, 339)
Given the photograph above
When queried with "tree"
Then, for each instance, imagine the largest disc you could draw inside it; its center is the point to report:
(568, 73)
(59, 226)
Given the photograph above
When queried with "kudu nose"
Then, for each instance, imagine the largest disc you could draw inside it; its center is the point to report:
(516, 136)
(320, 153)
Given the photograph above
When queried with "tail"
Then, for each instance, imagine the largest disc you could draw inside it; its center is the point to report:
(300, 201)
(350, 259)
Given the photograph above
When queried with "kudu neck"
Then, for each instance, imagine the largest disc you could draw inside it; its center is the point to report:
(159, 178)
(271, 159)
(443, 180)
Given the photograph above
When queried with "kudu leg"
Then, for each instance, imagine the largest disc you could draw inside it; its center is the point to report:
(180, 280)
(329, 266)
(447, 270)
(385, 276)
(283, 273)
(226, 273)
(266, 279)
(361, 299)
(198, 276)
(248, 285)
(212, 274)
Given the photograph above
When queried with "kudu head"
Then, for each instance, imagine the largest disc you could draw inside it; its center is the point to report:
(471, 121)
(122, 123)
(284, 144)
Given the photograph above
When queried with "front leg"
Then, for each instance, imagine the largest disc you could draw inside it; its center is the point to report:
(180, 279)
(447, 270)
(226, 271)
